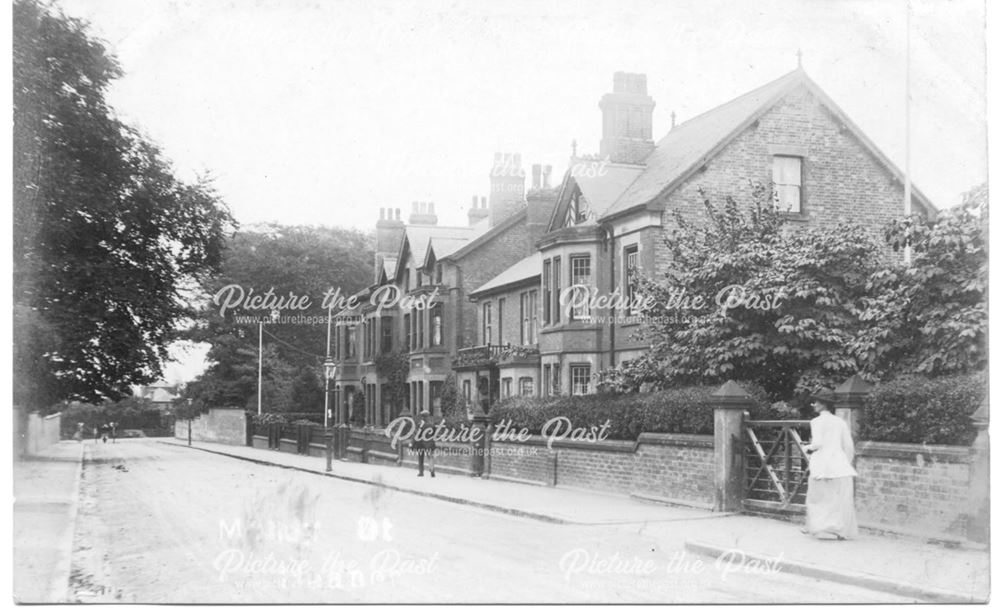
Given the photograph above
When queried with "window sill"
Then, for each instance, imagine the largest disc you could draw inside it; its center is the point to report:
(795, 217)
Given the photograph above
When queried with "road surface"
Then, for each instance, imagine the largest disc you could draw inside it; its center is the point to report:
(166, 524)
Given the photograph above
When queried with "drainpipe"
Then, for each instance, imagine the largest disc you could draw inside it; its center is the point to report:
(611, 329)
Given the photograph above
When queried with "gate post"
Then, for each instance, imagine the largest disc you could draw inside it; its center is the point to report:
(849, 399)
(978, 529)
(480, 427)
(728, 403)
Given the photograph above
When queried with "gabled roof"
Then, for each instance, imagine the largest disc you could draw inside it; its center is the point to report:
(484, 234)
(525, 269)
(418, 237)
(599, 191)
(389, 266)
(688, 146)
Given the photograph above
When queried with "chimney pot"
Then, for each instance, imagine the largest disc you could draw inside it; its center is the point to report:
(546, 176)
(484, 202)
(430, 208)
(397, 214)
(416, 208)
(536, 176)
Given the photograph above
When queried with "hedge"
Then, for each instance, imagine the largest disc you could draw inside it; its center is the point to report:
(917, 409)
(677, 410)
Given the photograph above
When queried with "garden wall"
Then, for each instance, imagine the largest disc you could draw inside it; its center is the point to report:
(916, 489)
(219, 425)
(670, 467)
(34, 433)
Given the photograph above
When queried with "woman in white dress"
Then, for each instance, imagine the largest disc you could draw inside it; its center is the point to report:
(830, 499)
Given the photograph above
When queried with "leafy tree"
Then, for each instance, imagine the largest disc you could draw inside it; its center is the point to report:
(930, 316)
(778, 303)
(393, 368)
(306, 393)
(106, 239)
(299, 261)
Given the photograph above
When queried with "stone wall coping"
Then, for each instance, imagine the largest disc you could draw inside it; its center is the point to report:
(678, 439)
(909, 451)
(622, 445)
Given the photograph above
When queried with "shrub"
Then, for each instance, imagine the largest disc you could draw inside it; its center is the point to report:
(677, 410)
(917, 409)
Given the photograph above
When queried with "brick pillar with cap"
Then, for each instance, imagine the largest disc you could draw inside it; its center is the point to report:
(728, 403)
(849, 401)
(979, 478)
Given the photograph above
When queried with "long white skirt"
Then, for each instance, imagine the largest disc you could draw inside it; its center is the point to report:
(830, 507)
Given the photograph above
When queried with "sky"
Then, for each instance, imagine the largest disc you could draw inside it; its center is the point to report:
(322, 112)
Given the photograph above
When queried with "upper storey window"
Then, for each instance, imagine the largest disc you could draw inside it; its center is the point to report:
(786, 173)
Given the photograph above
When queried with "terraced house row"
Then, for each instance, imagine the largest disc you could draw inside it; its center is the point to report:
(493, 289)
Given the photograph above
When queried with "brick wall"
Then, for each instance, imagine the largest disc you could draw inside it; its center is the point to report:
(218, 425)
(34, 433)
(483, 264)
(914, 488)
(677, 467)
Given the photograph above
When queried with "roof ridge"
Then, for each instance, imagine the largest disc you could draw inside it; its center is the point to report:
(787, 75)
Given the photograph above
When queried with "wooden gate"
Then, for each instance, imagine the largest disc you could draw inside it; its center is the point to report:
(776, 466)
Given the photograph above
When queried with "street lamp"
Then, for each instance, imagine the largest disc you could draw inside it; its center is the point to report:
(189, 416)
(260, 355)
(329, 372)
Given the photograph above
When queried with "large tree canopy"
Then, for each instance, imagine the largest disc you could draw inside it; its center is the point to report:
(299, 261)
(106, 238)
(794, 309)
(777, 303)
(930, 316)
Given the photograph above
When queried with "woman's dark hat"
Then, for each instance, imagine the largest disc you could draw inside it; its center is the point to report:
(825, 397)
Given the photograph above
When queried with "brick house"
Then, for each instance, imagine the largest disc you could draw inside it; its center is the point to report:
(493, 289)
(417, 307)
(612, 210)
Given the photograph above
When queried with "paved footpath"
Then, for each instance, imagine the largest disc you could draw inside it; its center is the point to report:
(46, 491)
(902, 566)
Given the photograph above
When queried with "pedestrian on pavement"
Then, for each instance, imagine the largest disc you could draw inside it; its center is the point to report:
(424, 442)
(96, 435)
(78, 435)
(114, 432)
(104, 433)
(830, 498)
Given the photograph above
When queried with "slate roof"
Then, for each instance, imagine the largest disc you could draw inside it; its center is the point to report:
(525, 269)
(602, 191)
(419, 238)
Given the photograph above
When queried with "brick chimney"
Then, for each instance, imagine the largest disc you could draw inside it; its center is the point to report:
(423, 214)
(541, 199)
(627, 120)
(506, 186)
(389, 230)
(477, 212)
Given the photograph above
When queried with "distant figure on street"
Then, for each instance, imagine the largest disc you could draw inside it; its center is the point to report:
(96, 435)
(104, 433)
(114, 432)
(78, 435)
(423, 442)
(830, 498)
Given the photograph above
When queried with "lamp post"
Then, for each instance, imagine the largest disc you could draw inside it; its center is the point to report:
(260, 356)
(329, 371)
(189, 415)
